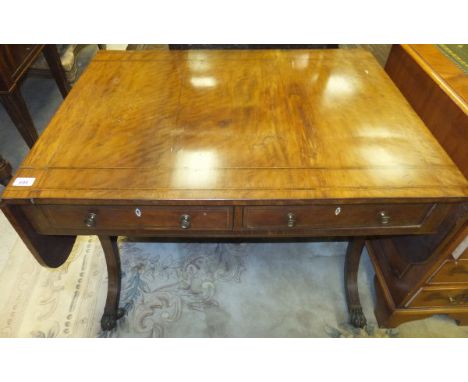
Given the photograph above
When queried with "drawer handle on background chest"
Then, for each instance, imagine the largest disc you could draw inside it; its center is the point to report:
(384, 217)
(291, 220)
(185, 221)
(462, 299)
(90, 220)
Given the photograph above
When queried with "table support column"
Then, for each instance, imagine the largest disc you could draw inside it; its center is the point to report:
(353, 256)
(112, 312)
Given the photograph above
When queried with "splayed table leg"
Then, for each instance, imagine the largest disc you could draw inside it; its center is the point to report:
(112, 312)
(353, 255)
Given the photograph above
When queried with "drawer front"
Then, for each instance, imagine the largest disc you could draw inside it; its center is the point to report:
(335, 216)
(139, 218)
(451, 272)
(453, 297)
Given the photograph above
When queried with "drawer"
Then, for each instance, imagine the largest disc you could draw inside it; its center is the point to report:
(138, 217)
(335, 216)
(447, 297)
(451, 272)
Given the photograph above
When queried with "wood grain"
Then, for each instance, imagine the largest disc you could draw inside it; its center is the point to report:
(237, 125)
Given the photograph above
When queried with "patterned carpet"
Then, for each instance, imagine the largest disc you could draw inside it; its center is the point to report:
(192, 290)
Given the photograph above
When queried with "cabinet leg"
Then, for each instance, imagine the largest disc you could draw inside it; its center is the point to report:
(5, 171)
(353, 255)
(111, 311)
(461, 319)
(19, 114)
(55, 64)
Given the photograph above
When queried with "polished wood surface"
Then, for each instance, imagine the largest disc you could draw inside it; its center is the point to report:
(437, 89)
(233, 144)
(236, 125)
(442, 70)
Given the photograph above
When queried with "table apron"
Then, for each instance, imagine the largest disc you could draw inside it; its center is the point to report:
(237, 221)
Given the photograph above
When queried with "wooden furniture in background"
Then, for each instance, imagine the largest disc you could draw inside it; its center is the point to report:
(417, 277)
(5, 171)
(437, 89)
(233, 144)
(410, 284)
(15, 61)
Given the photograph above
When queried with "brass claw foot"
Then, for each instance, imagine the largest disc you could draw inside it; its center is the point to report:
(109, 320)
(357, 318)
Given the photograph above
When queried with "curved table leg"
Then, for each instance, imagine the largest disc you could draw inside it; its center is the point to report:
(353, 255)
(111, 311)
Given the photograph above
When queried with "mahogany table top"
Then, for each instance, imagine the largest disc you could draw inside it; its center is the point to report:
(164, 126)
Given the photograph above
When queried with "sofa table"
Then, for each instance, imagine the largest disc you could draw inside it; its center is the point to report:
(233, 144)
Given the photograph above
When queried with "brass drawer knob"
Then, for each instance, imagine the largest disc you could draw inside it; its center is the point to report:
(384, 217)
(90, 220)
(185, 221)
(452, 300)
(291, 220)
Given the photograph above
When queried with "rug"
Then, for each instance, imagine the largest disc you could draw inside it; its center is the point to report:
(189, 289)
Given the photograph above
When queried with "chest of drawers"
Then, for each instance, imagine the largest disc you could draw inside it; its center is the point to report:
(434, 279)
(435, 283)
